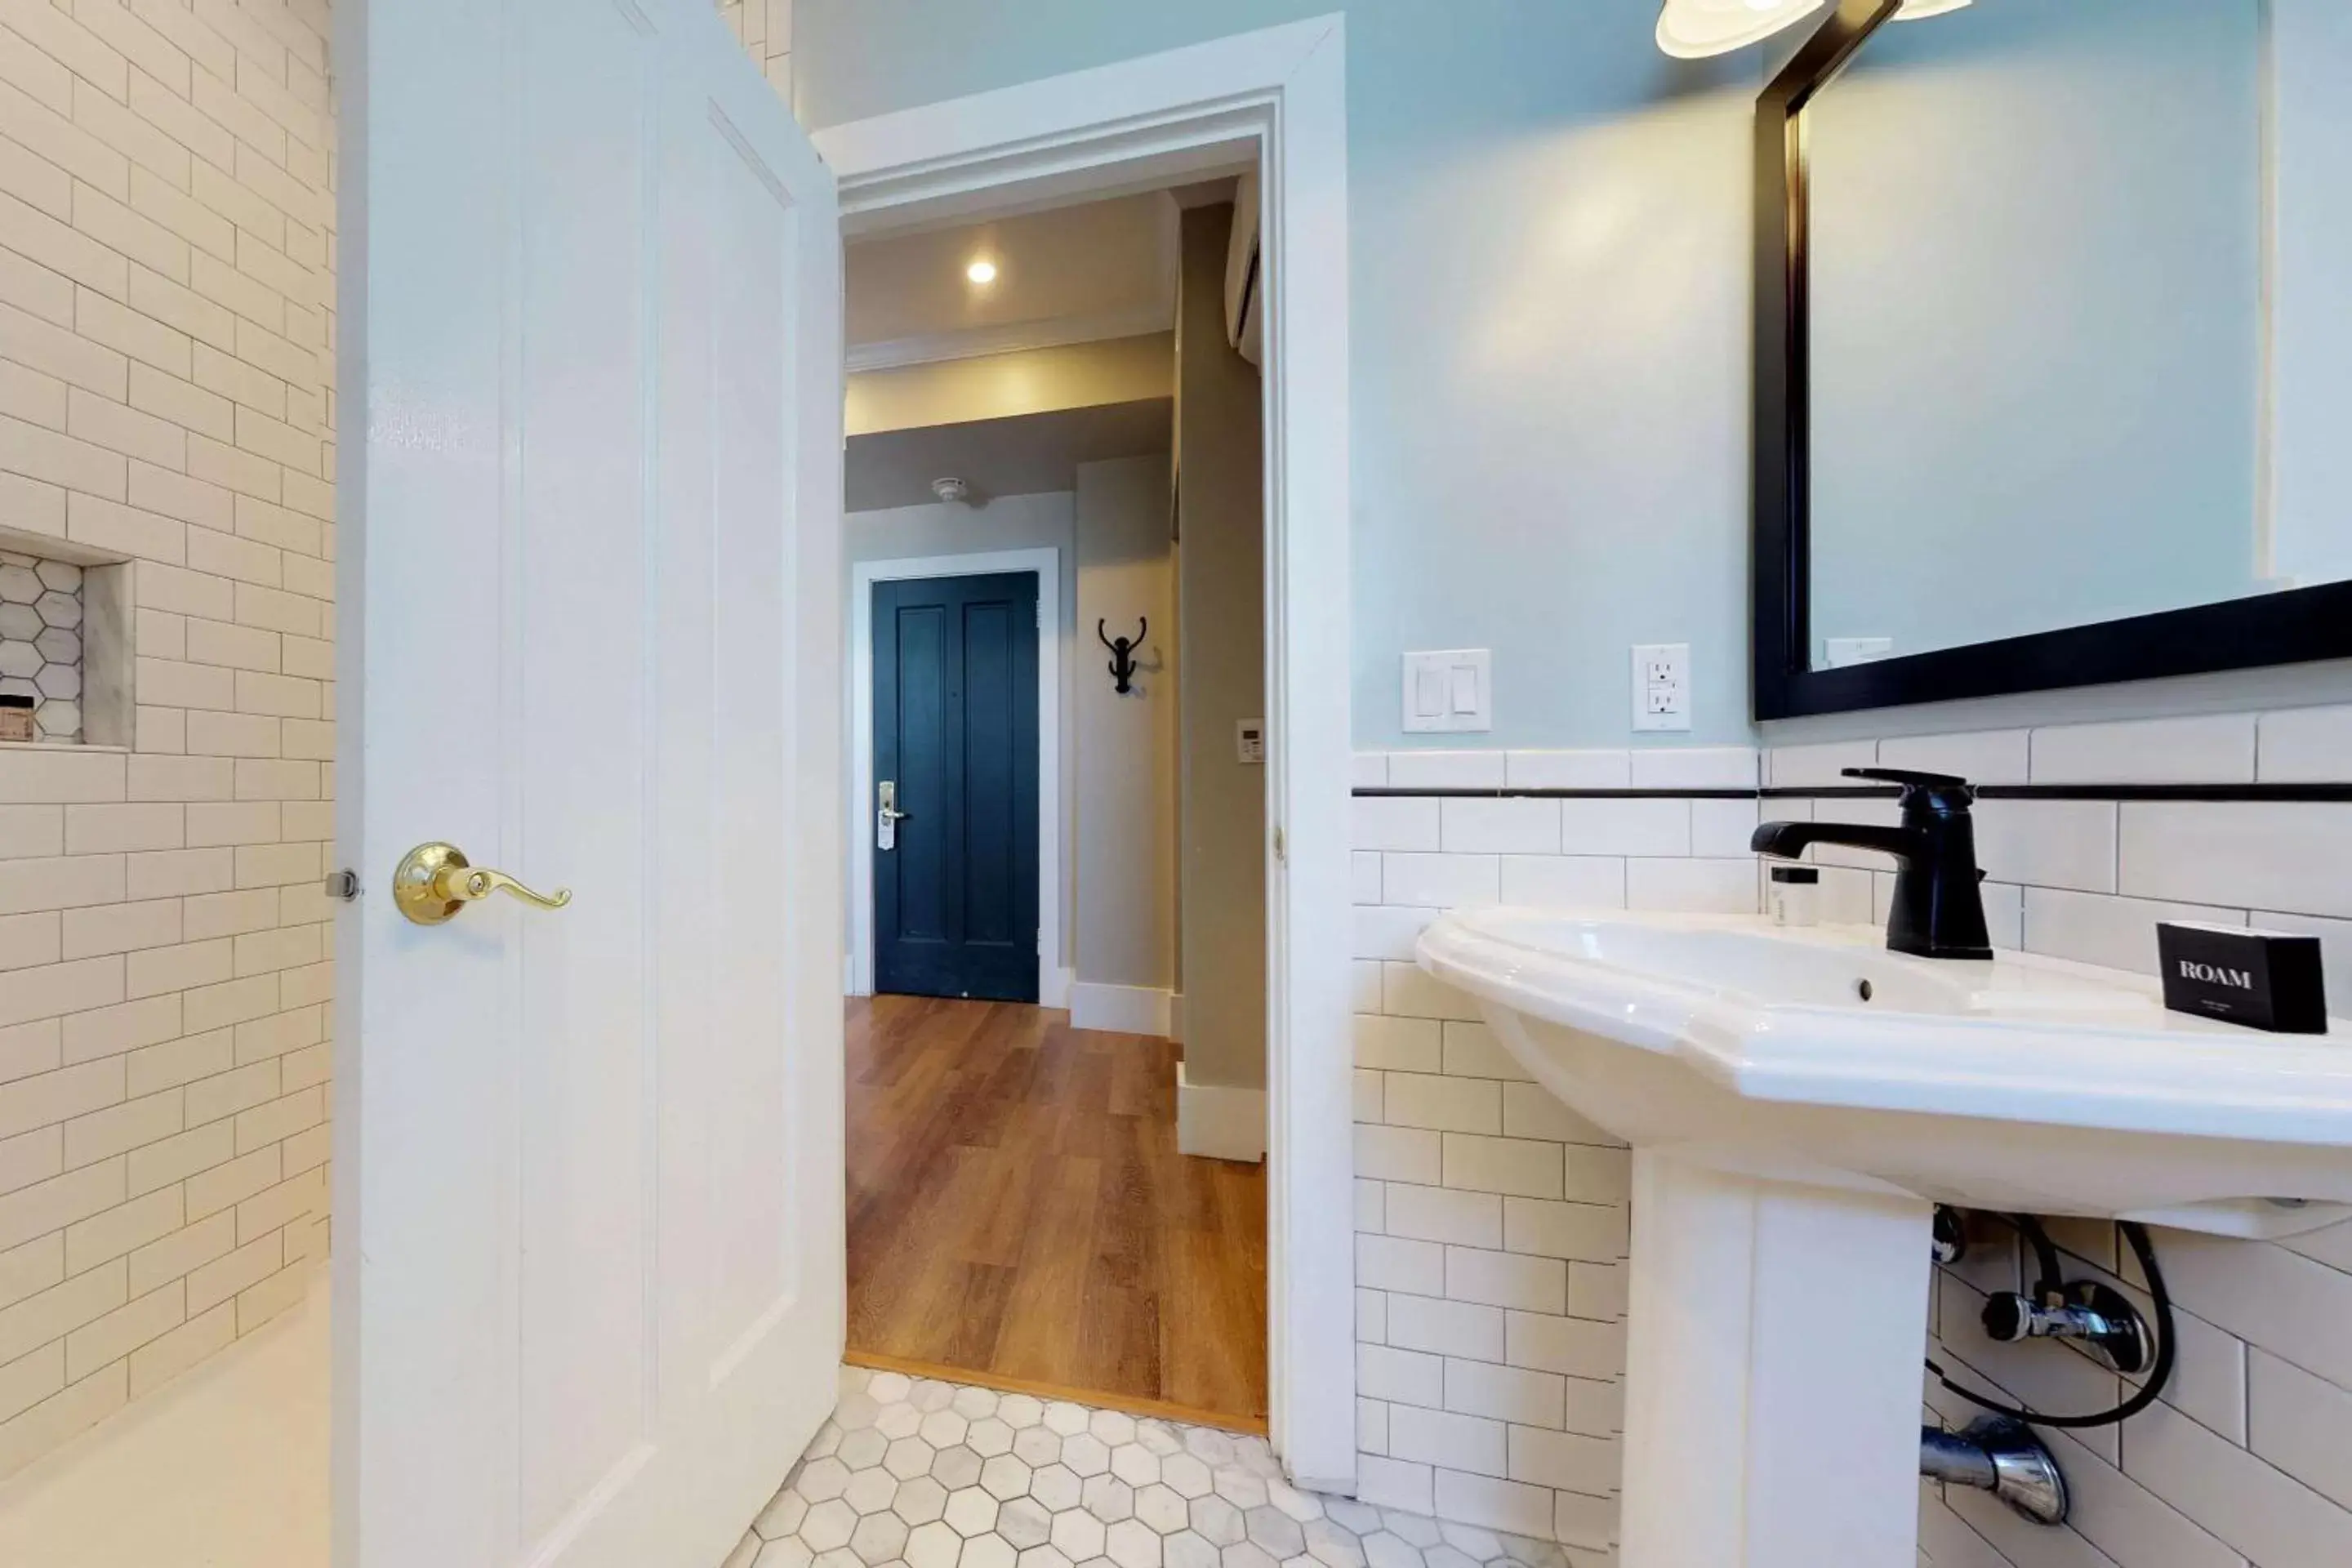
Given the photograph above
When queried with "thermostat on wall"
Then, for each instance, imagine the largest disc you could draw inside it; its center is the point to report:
(1249, 740)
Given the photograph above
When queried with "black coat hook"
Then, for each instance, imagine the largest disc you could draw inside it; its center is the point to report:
(1122, 654)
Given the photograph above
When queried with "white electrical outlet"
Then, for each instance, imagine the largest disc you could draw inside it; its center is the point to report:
(1452, 689)
(1662, 699)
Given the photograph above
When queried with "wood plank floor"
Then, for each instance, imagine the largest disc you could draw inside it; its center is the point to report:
(1017, 1208)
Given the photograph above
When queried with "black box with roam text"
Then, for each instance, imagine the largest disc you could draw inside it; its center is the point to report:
(2265, 979)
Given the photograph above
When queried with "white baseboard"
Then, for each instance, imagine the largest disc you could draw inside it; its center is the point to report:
(1054, 987)
(1219, 1122)
(1176, 1016)
(1122, 1009)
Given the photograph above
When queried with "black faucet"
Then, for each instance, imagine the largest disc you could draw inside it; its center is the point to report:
(1938, 913)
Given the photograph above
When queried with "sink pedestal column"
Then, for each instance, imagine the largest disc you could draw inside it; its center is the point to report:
(1775, 1332)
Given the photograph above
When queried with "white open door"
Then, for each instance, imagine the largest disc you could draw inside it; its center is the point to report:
(589, 1275)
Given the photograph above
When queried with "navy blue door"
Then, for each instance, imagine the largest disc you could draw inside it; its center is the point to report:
(955, 738)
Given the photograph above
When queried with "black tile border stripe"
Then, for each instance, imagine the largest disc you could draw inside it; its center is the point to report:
(2331, 794)
(1381, 792)
(2192, 792)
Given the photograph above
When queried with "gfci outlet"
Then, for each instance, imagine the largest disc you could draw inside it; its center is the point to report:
(1662, 698)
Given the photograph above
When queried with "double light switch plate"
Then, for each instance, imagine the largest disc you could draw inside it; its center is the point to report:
(1449, 689)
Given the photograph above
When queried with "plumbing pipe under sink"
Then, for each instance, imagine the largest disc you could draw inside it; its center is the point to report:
(1792, 1132)
(2001, 1456)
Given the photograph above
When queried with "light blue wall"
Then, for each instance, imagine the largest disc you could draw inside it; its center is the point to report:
(2036, 267)
(2311, 62)
(1549, 223)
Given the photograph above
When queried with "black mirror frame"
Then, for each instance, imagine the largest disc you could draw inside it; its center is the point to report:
(2289, 628)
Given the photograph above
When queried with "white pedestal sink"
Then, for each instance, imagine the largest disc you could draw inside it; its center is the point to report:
(1798, 1102)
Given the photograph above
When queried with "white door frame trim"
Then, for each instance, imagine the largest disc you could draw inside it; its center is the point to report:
(1275, 98)
(1053, 978)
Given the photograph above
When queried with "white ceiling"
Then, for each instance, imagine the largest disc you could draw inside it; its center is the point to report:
(1074, 274)
(1027, 454)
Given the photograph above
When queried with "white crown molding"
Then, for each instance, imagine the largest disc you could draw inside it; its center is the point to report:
(1013, 337)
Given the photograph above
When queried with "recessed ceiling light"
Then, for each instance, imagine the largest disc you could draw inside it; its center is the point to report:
(982, 272)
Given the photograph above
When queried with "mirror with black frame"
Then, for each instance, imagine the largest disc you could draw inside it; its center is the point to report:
(2015, 415)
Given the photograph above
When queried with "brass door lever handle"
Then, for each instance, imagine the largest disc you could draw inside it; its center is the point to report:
(435, 881)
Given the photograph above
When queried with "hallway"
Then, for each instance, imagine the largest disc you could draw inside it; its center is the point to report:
(1018, 1212)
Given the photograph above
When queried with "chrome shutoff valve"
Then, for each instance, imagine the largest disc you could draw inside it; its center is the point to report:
(2096, 1316)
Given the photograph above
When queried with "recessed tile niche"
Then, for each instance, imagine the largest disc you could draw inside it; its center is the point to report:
(64, 642)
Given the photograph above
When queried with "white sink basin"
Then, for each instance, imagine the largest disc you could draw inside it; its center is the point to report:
(2021, 1083)
(1797, 1102)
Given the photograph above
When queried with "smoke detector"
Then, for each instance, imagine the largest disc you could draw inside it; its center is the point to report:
(950, 489)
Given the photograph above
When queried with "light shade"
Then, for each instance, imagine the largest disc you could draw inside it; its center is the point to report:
(1693, 29)
(1920, 10)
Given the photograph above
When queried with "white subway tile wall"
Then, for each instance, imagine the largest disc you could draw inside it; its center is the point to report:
(2242, 1463)
(1565, 770)
(764, 29)
(1491, 1220)
(2208, 748)
(2305, 745)
(1988, 756)
(166, 395)
(2245, 1463)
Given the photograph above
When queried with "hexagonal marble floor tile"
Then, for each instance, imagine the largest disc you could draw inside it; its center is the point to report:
(1037, 1446)
(1057, 1488)
(40, 641)
(916, 1473)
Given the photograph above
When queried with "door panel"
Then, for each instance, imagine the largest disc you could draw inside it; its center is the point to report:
(590, 1274)
(955, 731)
(583, 979)
(992, 735)
(919, 879)
(756, 1156)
